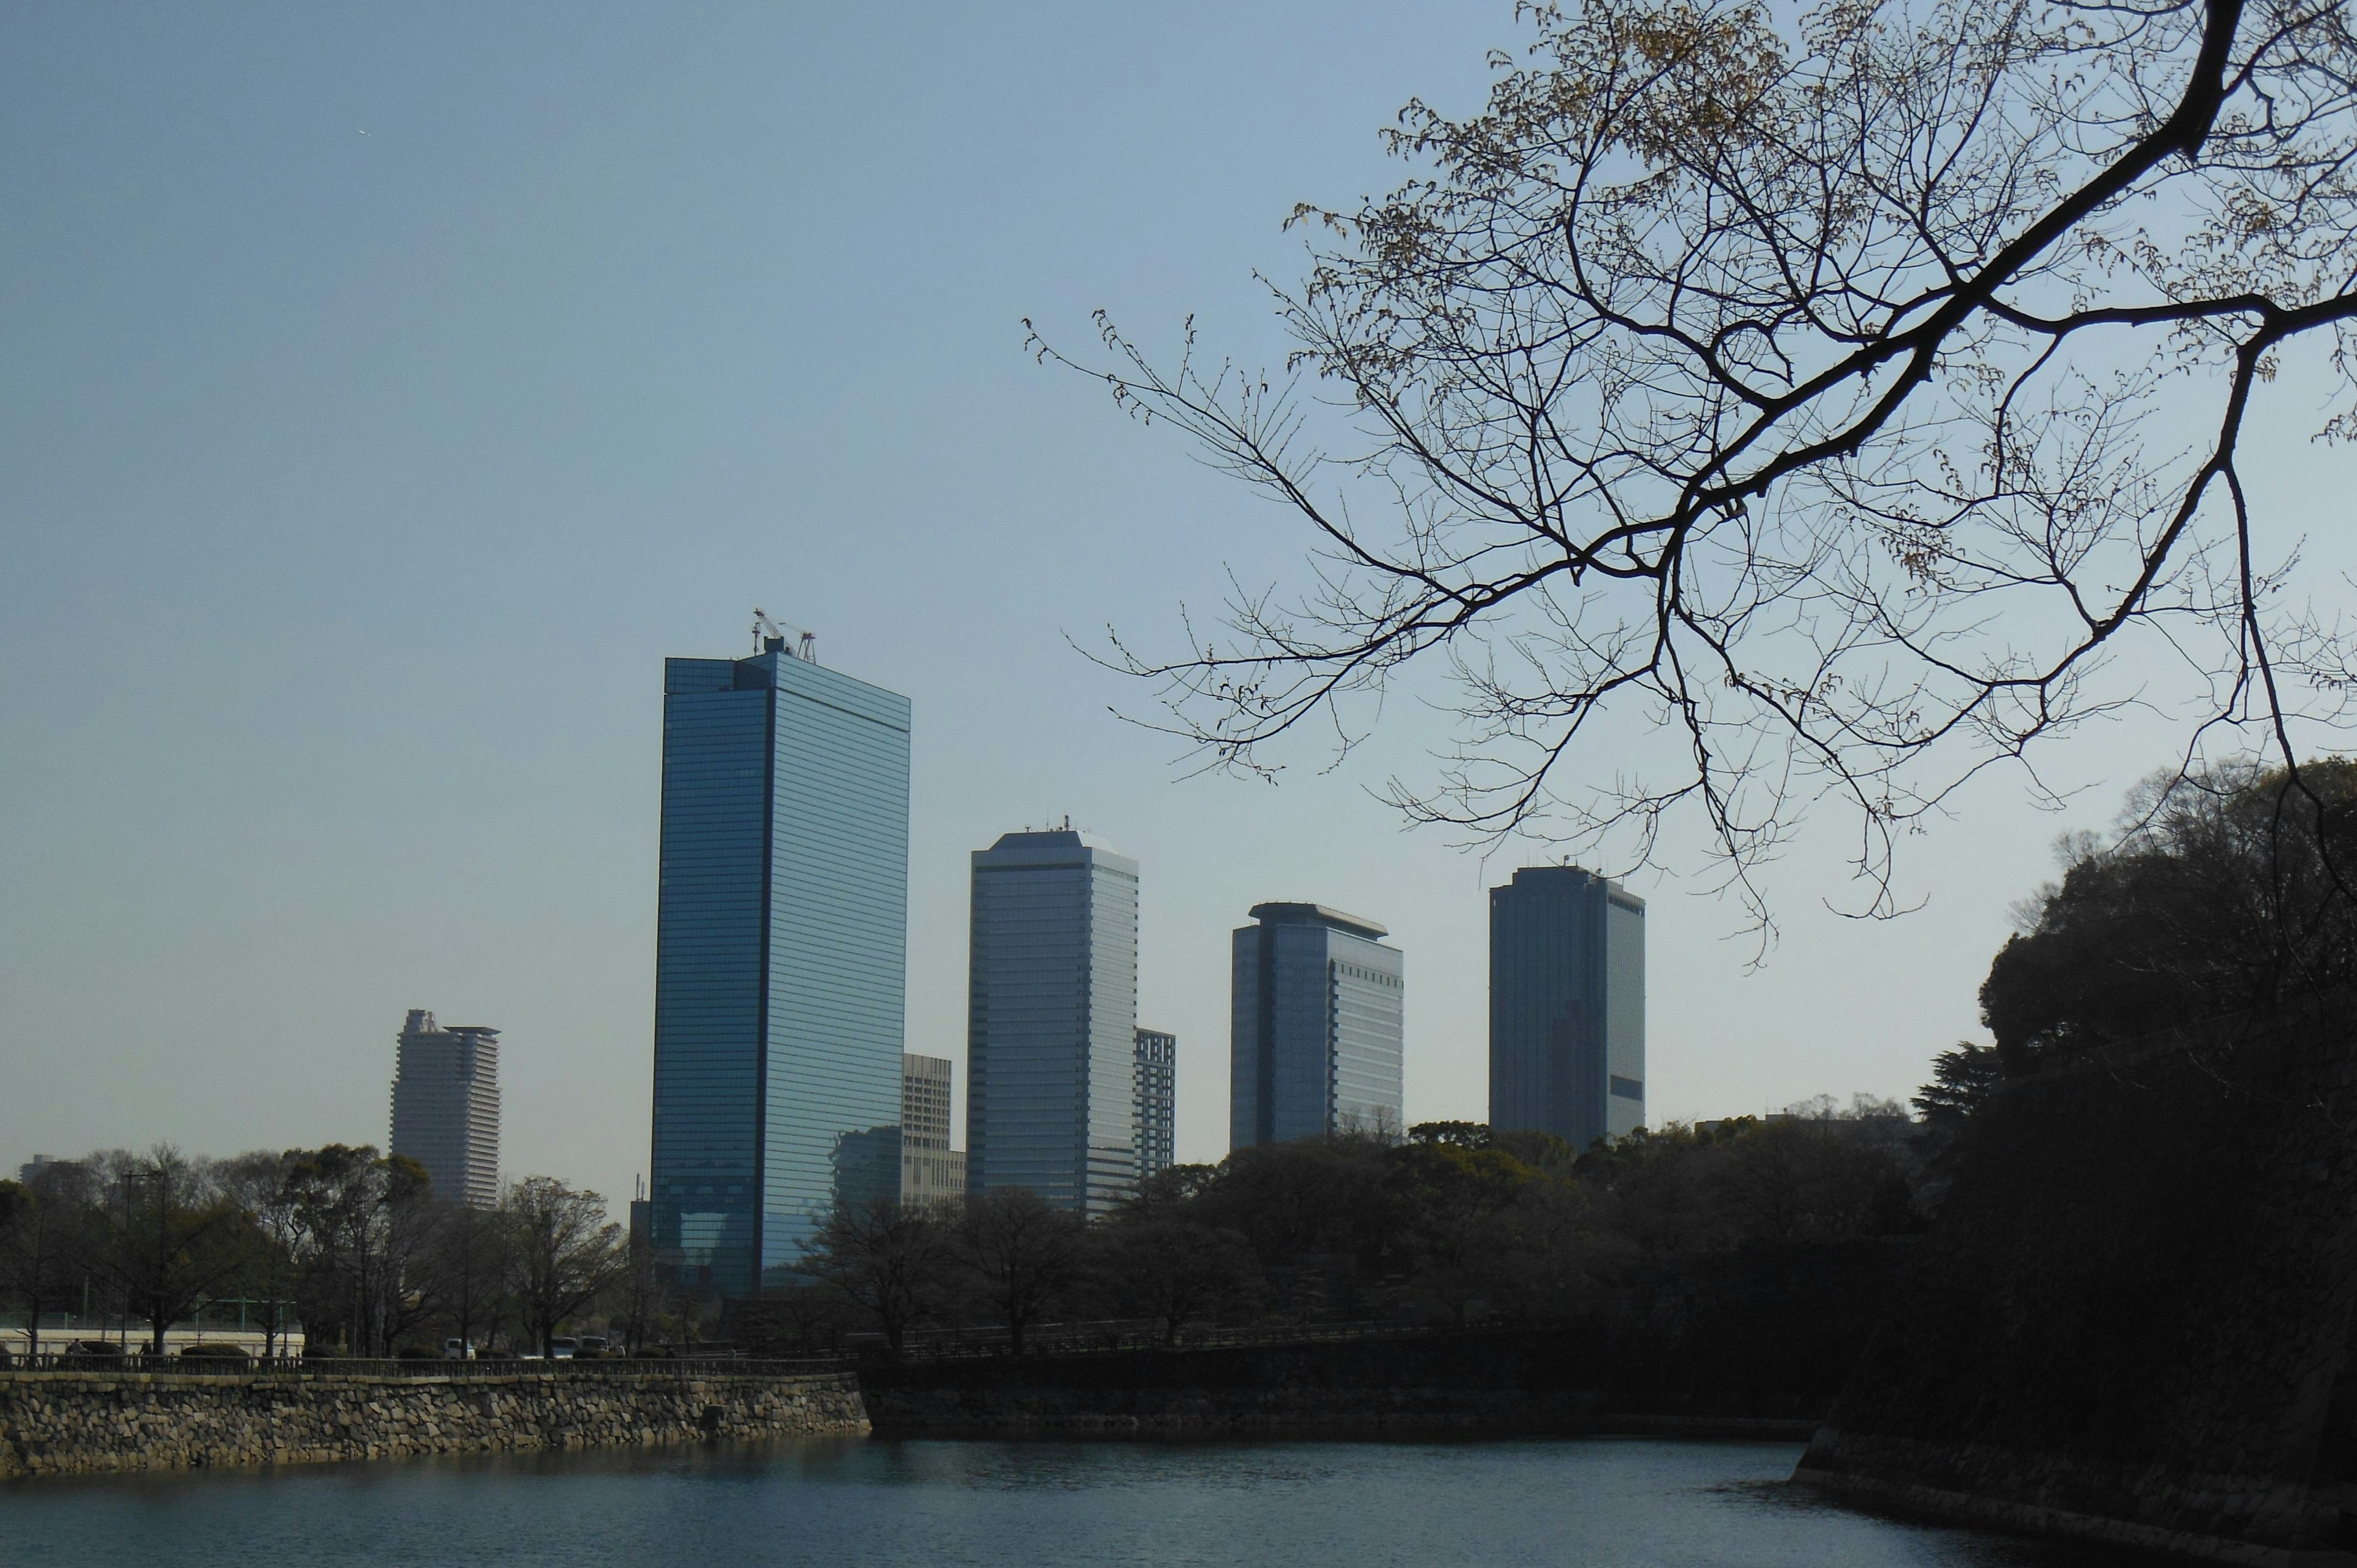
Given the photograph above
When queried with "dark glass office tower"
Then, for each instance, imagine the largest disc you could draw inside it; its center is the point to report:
(1567, 1006)
(781, 961)
(1052, 1030)
(1317, 1013)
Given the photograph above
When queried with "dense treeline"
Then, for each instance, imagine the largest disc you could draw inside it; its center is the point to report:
(352, 1246)
(2224, 895)
(1457, 1224)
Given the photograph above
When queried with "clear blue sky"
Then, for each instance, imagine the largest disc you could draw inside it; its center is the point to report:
(386, 391)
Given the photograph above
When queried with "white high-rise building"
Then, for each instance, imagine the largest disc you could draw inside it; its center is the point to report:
(445, 1106)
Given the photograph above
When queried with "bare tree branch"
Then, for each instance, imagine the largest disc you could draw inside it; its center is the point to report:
(1790, 387)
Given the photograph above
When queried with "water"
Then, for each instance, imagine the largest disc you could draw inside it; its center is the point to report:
(1595, 1503)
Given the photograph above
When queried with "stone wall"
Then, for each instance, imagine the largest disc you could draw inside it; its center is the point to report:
(2132, 1320)
(67, 1422)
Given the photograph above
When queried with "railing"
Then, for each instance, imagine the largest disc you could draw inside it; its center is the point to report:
(1084, 1338)
(484, 1368)
(922, 1345)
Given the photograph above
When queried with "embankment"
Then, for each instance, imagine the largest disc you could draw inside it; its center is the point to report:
(71, 1422)
(2132, 1321)
(1617, 1373)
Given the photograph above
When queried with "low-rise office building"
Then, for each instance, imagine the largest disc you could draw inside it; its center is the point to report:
(931, 1173)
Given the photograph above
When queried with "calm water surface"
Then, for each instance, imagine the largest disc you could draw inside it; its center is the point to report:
(1597, 1503)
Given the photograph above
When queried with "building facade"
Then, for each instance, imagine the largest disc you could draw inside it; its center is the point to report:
(1567, 1006)
(931, 1173)
(1317, 1025)
(1154, 1101)
(1051, 1029)
(445, 1106)
(781, 961)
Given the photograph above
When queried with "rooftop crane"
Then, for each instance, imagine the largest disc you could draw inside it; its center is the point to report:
(769, 637)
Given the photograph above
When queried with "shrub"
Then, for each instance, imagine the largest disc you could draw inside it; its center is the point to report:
(217, 1351)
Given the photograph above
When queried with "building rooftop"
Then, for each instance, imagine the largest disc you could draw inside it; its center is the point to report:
(1057, 846)
(1570, 877)
(1315, 914)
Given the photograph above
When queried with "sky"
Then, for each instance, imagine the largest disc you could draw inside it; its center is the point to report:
(384, 392)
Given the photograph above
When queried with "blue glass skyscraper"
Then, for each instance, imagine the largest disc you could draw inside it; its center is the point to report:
(1567, 1006)
(1051, 1031)
(1317, 1022)
(781, 961)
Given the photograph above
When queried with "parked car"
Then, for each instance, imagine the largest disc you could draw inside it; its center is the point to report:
(562, 1348)
(593, 1345)
(457, 1350)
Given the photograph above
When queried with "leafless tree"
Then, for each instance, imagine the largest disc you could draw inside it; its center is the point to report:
(163, 1233)
(1811, 387)
(887, 1263)
(465, 1270)
(564, 1252)
(261, 1182)
(1020, 1255)
(44, 1237)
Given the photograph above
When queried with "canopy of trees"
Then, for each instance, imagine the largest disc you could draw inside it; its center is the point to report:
(1458, 1223)
(2222, 894)
(352, 1246)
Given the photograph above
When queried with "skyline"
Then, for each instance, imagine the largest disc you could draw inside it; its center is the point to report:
(360, 483)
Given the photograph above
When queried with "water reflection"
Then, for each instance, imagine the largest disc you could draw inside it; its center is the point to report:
(1581, 1504)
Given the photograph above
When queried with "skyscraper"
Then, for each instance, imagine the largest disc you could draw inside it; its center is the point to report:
(1315, 1015)
(1052, 1030)
(1154, 1097)
(1567, 1006)
(781, 961)
(931, 1173)
(445, 1106)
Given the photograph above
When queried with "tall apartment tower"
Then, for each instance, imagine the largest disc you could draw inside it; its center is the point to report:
(781, 961)
(1317, 1025)
(445, 1106)
(1153, 1099)
(1567, 1006)
(1051, 1021)
(931, 1173)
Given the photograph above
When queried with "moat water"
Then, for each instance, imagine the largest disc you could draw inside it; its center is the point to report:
(1592, 1503)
